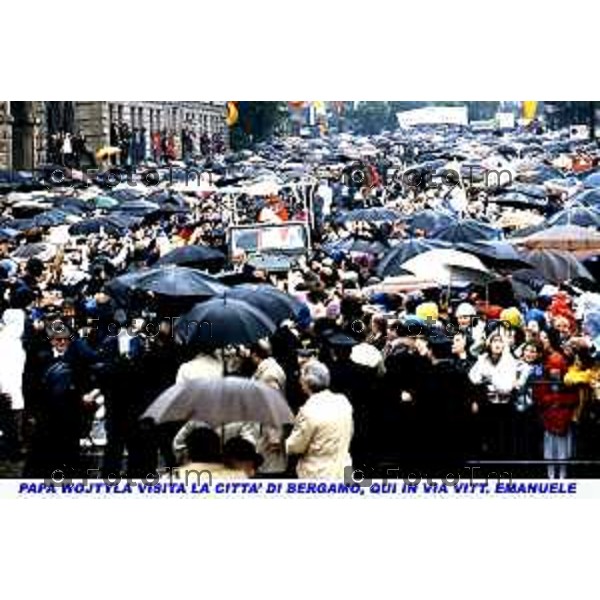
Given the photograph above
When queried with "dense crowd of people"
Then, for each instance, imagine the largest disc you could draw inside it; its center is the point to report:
(387, 377)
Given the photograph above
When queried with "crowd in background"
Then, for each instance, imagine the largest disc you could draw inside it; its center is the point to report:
(414, 381)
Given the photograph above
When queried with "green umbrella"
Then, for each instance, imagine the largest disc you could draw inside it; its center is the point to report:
(105, 202)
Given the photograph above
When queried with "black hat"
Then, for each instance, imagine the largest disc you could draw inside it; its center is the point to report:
(336, 338)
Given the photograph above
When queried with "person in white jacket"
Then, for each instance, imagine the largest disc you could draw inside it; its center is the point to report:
(496, 373)
(12, 366)
(323, 428)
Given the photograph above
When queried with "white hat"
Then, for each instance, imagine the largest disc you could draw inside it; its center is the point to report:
(366, 355)
(466, 310)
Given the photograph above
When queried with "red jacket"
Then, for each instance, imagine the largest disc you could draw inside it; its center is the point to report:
(557, 404)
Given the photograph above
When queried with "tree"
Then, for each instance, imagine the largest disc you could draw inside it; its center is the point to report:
(370, 118)
(258, 121)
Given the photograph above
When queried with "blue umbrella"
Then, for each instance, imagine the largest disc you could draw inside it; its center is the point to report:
(580, 215)
(588, 197)
(430, 220)
(592, 180)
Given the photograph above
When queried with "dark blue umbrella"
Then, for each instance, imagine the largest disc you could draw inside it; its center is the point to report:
(51, 218)
(467, 230)
(519, 200)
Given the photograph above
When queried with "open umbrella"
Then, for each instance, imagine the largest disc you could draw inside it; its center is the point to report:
(107, 152)
(588, 198)
(223, 321)
(96, 225)
(278, 305)
(221, 401)
(141, 207)
(569, 238)
(494, 253)
(390, 264)
(592, 180)
(446, 266)
(556, 266)
(354, 244)
(467, 230)
(519, 200)
(430, 220)
(170, 280)
(576, 214)
(43, 251)
(193, 256)
(371, 215)
(51, 218)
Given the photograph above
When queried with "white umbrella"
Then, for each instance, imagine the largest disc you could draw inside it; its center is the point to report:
(445, 266)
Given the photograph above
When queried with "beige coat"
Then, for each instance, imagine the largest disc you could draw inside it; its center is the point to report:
(204, 366)
(321, 436)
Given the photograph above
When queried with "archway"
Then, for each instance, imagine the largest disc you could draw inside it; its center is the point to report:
(23, 139)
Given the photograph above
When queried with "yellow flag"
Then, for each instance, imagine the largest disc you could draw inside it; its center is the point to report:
(529, 109)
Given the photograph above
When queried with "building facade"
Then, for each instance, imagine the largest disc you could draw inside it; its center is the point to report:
(26, 126)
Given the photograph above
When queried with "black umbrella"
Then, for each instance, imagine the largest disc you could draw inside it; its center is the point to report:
(430, 220)
(555, 266)
(224, 321)
(467, 230)
(390, 265)
(354, 244)
(170, 280)
(519, 200)
(278, 305)
(495, 253)
(580, 215)
(221, 401)
(193, 256)
(96, 225)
